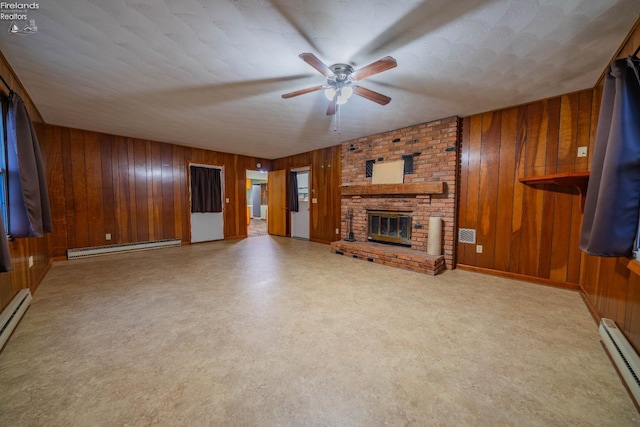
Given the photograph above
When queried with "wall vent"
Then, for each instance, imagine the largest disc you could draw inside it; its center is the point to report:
(622, 354)
(12, 314)
(467, 235)
(118, 249)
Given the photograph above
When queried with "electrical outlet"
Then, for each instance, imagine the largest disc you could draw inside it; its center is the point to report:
(31, 261)
(582, 151)
(107, 236)
(227, 200)
(314, 200)
(337, 231)
(478, 249)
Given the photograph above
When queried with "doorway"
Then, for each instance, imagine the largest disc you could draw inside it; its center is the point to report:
(257, 210)
(300, 219)
(205, 197)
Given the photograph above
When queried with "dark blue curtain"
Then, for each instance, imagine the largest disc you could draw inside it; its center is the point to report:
(29, 212)
(293, 192)
(612, 203)
(206, 189)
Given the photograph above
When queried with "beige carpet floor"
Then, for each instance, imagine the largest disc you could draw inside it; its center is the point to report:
(276, 332)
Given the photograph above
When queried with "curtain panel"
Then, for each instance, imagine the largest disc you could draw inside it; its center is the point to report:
(29, 212)
(206, 189)
(612, 203)
(293, 192)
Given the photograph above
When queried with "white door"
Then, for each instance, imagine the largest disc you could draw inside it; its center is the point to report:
(206, 226)
(300, 219)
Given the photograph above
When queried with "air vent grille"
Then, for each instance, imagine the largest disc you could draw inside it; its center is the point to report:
(467, 235)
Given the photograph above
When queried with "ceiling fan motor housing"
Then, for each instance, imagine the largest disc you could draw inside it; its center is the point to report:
(341, 72)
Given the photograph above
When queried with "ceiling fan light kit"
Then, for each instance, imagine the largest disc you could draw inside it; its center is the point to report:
(342, 79)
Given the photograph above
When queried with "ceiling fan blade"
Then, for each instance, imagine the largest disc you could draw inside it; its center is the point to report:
(379, 66)
(333, 105)
(371, 95)
(302, 92)
(313, 60)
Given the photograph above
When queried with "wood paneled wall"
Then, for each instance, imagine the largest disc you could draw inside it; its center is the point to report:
(533, 231)
(525, 230)
(136, 190)
(609, 287)
(22, 276)
(325, 184)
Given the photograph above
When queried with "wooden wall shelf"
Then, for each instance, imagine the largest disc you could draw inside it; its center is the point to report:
(393, 189)
(580, 180)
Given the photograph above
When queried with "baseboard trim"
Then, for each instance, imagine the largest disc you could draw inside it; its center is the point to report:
(592, 308)
(43, 273)
(523, 277)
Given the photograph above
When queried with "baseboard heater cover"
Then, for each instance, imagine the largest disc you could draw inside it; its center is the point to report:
(123, 248)
(623, 355)
(11, 315)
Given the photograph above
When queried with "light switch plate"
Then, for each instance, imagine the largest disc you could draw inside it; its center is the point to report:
(478, 249)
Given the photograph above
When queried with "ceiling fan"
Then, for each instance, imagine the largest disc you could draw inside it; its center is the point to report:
(342, 81)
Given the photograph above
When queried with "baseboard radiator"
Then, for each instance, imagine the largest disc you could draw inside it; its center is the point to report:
(123, 248)
(11, 315)
(623, 355)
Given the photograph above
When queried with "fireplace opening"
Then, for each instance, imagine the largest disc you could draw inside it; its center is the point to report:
(389, 227)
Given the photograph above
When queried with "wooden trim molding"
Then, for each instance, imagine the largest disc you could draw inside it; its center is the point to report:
(523, 277)
(592, 309)
(393, 189)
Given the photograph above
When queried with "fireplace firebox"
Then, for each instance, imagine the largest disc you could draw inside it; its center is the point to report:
(389, 227)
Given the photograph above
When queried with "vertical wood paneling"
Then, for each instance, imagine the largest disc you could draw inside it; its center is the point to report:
(470, 210)
(157, 195)
(53, 158)
(94, 186)
(80, 206)
(463, 194)
(134, 189)
(518, 190)
(505, 189)
(325, 182)
(487, 212)
(167, 188)
(107, 148)
(532, 197)
(528, 230)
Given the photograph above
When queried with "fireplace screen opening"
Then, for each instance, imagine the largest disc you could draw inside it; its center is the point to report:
(389, 227)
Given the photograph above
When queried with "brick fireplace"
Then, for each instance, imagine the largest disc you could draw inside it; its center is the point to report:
(429, 151)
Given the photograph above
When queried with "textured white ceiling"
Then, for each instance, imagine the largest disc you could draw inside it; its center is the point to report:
(210, 73)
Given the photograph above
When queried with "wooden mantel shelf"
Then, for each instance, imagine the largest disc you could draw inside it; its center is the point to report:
(580, 180)
(393, 189)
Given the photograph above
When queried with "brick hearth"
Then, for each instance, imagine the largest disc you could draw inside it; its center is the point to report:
(433, 149)
(394, 256)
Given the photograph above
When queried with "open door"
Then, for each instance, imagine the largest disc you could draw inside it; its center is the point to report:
(300, 219)
(277, 203)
